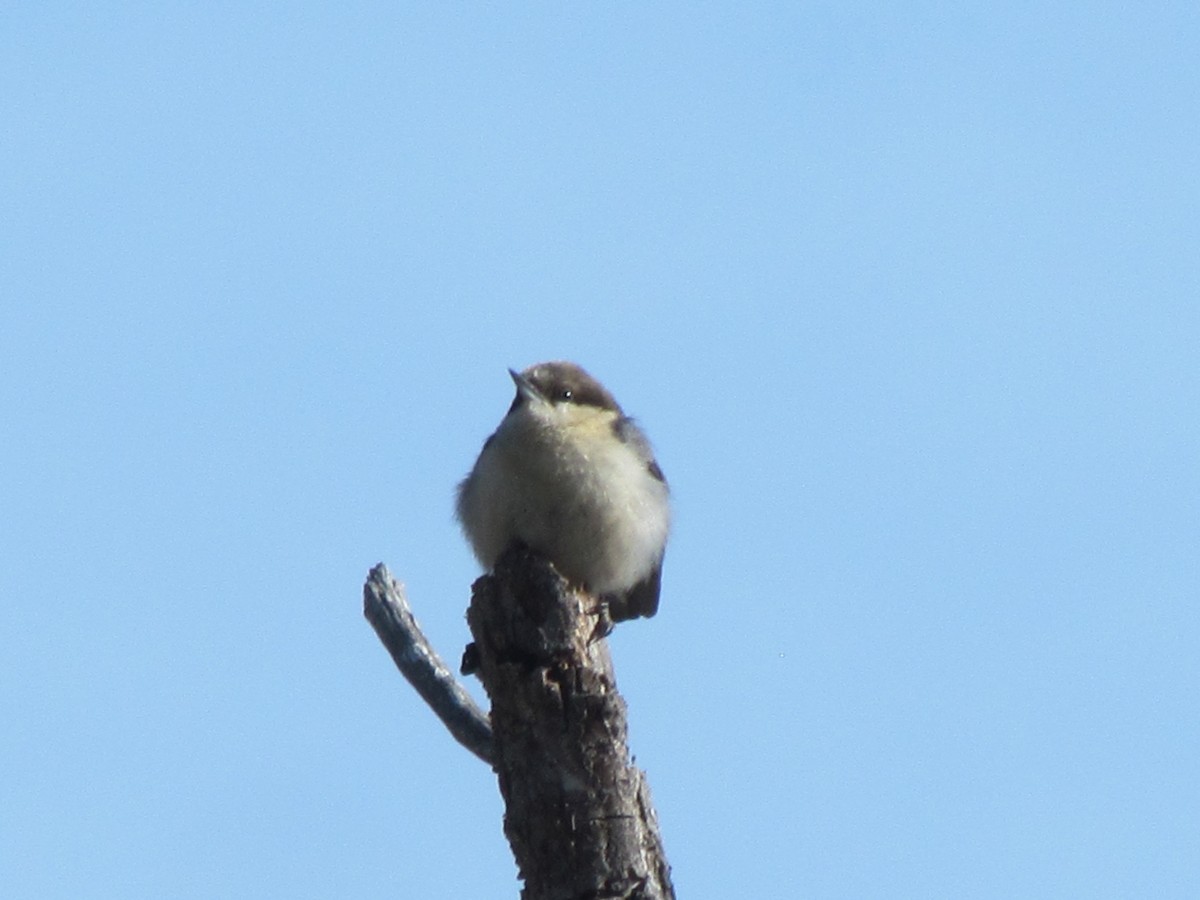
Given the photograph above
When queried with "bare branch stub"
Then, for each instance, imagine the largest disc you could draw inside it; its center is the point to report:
(387, 609)
(579, 816)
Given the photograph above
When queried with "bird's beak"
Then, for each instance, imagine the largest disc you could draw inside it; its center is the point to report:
(525, 387)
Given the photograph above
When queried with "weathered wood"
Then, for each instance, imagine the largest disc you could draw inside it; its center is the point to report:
(579, 816)
(386, 608)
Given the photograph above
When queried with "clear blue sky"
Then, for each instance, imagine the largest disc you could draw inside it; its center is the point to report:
(907, 296)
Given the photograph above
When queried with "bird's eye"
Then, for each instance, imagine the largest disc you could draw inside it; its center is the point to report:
(566, 394)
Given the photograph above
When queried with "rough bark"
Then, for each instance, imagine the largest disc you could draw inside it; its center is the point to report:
(579, 816)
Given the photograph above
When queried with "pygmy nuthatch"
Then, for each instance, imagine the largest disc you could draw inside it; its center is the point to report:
(571, 477)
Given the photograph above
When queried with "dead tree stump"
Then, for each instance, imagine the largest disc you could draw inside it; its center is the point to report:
(578, 812)
(579, 815)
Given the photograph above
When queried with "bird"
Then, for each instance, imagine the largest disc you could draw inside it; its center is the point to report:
(571, 477)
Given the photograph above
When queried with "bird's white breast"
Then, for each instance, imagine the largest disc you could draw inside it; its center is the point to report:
(558, 479)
